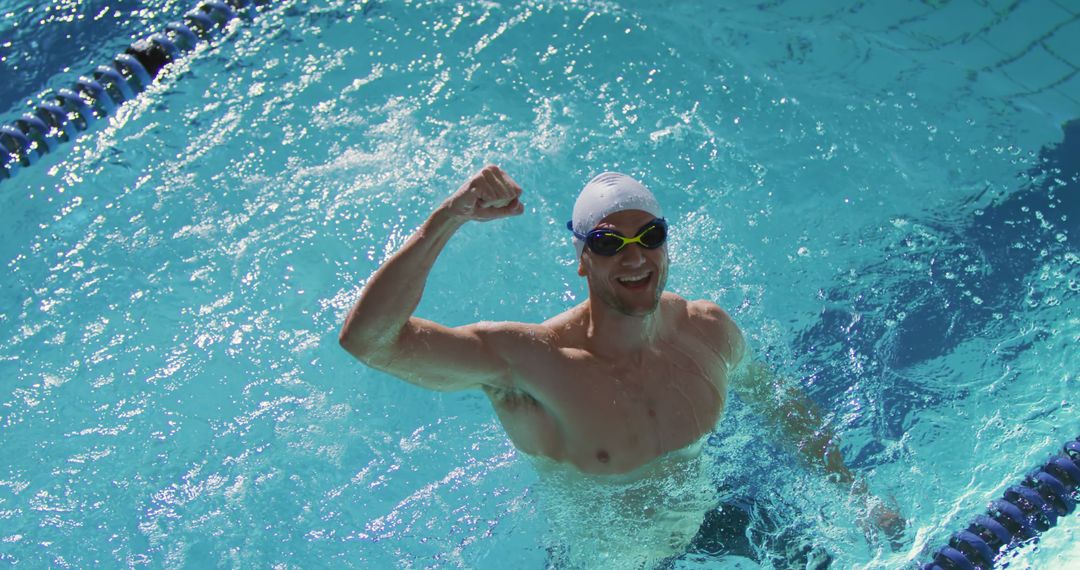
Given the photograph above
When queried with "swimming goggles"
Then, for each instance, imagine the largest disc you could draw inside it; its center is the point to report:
(609, 242)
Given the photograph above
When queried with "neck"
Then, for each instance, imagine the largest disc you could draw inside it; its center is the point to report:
(613, 333)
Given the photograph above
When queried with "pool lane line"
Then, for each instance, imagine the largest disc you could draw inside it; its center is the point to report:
(1025, 510)
(94, 97)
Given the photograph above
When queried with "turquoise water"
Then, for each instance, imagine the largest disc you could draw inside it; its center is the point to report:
(872, 200)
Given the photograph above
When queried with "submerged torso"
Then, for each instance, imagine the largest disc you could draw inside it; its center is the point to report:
(630, 520)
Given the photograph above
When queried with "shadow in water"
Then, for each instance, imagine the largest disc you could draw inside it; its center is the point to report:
(942, 283)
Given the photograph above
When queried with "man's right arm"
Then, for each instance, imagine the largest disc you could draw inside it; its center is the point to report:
(790, 412)
(381, 330)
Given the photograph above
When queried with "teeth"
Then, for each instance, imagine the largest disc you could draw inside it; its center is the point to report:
(633, 278)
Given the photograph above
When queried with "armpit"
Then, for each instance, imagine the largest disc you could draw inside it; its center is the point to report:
(511, 399)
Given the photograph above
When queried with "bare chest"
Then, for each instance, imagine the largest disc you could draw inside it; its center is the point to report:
(614, 417)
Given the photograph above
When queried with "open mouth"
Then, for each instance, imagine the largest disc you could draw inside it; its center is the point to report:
(638, 281)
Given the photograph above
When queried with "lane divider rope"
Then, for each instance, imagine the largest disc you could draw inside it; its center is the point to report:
(70, 111)
(1025, 510)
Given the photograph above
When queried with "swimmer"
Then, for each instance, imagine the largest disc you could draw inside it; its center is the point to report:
(630, 375)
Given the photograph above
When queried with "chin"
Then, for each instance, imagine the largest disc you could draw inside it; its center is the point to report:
(637, 309)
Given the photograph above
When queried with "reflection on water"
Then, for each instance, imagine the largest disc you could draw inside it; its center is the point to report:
(175, 285)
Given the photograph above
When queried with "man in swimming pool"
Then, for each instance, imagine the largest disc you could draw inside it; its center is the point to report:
(631, 374)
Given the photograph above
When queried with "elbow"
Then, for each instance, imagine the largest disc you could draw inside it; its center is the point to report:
(355, 346)
(366, 350)
(343, 338)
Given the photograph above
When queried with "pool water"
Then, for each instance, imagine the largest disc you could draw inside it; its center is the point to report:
(883, 199)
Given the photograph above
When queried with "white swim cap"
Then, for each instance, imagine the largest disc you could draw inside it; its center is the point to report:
(606, 194)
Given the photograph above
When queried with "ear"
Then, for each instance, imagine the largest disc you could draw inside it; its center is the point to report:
(581, 265)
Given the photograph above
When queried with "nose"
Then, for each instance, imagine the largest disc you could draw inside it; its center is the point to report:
(632, 256)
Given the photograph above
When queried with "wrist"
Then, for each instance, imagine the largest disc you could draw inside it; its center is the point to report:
(445, 216)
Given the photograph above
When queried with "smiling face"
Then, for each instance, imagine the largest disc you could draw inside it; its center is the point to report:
(632, 280)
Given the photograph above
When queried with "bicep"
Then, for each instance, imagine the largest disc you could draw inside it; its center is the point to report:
(770, 395)
(753, 381)
(442, 358)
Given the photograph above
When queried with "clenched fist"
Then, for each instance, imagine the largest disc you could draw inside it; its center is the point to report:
(488, 195)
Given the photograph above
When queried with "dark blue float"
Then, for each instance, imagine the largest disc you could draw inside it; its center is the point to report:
(1022, 513)
(76, 109)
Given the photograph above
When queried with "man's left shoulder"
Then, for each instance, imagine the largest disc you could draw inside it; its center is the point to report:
(702, 314)
(716, 328)
(709, 313)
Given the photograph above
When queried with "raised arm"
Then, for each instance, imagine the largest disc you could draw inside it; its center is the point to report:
(381, 330)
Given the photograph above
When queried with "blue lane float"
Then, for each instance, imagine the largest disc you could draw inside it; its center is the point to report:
(69, 111)
(1025, 510)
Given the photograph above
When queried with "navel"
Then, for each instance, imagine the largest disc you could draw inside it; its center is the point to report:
(602, 456)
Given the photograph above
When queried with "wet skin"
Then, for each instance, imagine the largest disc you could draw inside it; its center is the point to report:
(629, 375)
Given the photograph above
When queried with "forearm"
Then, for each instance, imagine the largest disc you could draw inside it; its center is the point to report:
(394, 290)
(816, 442)
(801, 424)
